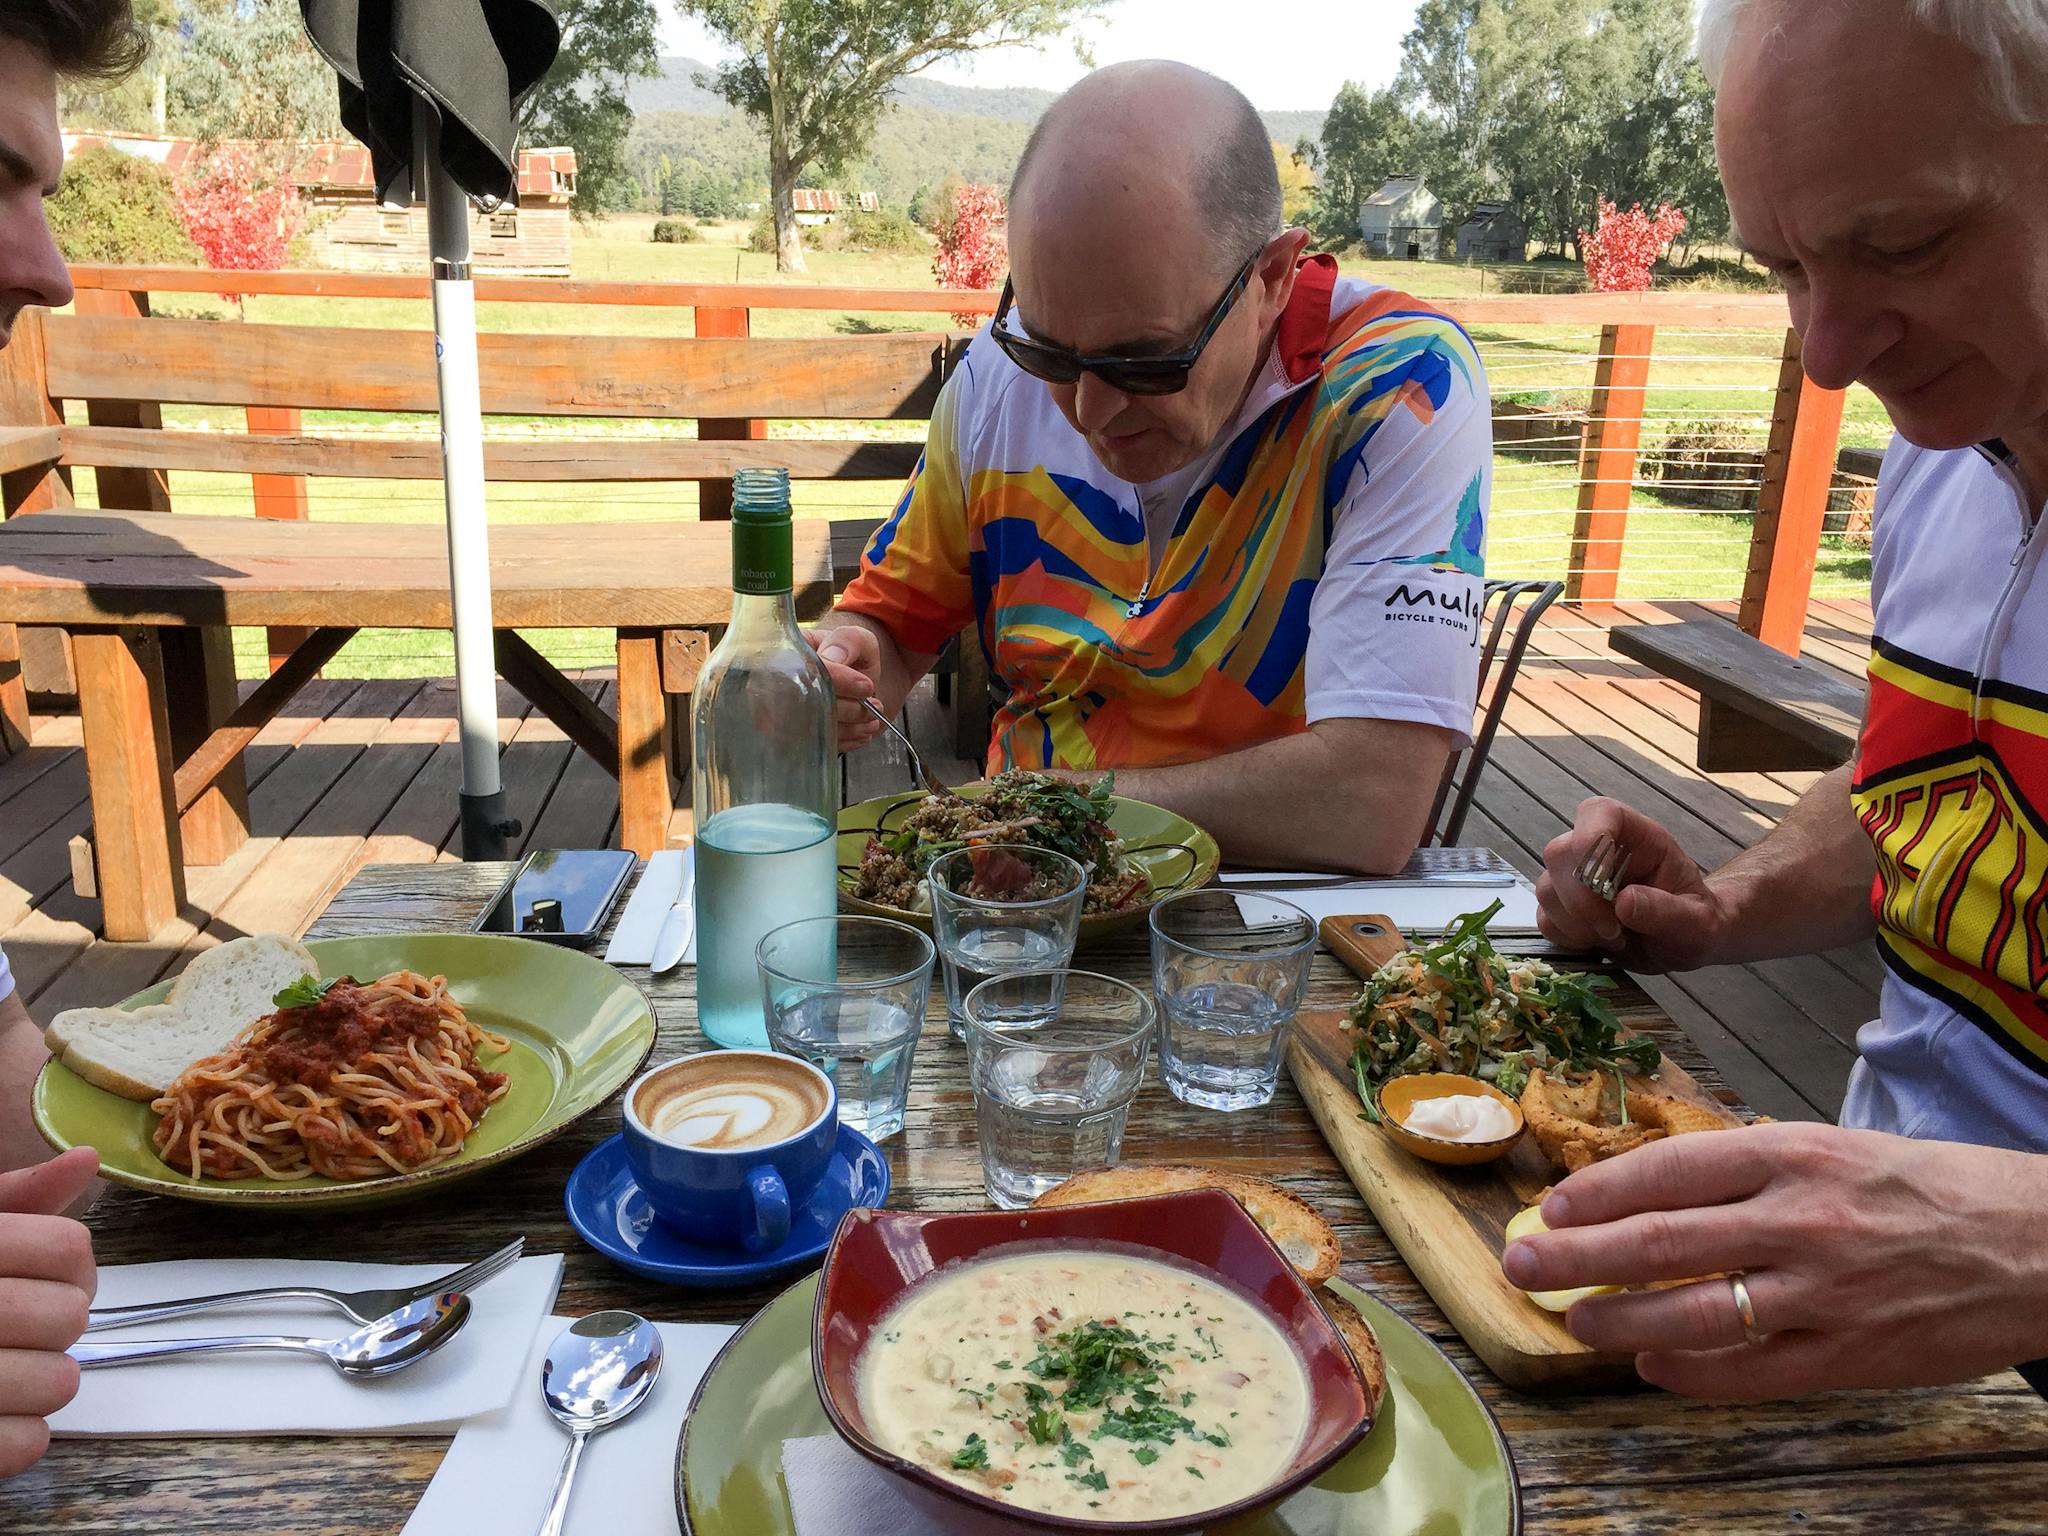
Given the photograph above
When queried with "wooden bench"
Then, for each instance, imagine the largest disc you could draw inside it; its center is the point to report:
(144, 603)
(1761, 711)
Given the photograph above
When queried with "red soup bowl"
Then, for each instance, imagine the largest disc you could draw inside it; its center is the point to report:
(878, 1256)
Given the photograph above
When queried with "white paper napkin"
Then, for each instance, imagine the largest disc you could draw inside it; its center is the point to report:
(247, 1393)
(835, 1491)
(666, 880)
(499, 1473)
(1423, 909)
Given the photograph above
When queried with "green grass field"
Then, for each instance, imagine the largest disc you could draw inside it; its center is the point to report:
(1722, 378)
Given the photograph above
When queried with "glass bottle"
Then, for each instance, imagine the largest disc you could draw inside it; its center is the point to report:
(764, 787)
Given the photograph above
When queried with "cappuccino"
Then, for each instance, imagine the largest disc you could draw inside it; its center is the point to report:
(729, 1103)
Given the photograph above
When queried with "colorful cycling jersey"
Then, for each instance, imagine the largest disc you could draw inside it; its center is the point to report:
(1951, 785)
(1326, 561)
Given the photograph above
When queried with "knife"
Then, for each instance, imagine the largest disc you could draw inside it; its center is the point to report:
(680, 926)
(1254, 881)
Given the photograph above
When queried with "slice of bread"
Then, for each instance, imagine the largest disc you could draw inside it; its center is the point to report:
(1296, 1229)
(138, 1052)
(1361, 1341)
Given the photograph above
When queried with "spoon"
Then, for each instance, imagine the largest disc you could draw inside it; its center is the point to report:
(391, 1343)
(599, 1369)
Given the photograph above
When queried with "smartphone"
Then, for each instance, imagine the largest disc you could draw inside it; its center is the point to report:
(560, 896)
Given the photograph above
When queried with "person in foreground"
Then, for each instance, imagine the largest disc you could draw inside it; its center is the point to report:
(1906, 1246)
(1216, 513)
(46, 1264)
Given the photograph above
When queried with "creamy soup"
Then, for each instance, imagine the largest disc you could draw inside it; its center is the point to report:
(1085, 1383)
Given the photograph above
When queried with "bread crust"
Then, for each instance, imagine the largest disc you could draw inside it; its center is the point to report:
(1296, 1227)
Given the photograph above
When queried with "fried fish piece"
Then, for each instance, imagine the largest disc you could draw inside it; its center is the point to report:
(1579, 1124)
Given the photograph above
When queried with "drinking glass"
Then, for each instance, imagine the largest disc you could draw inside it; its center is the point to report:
(848, 995)
(982, 934)
(1055, 1057)
(1228, 987)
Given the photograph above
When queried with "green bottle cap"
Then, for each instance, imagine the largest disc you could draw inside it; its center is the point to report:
(761, 558)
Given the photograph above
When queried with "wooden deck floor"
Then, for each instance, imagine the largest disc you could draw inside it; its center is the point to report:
(357, 773)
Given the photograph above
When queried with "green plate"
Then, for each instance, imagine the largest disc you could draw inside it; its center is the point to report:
(579, 1033)
(1435, 1463)
(1177, 854)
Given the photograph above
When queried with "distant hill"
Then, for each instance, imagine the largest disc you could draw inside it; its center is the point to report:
(676, 90)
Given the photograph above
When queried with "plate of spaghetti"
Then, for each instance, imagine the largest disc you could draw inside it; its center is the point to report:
(411, 1060)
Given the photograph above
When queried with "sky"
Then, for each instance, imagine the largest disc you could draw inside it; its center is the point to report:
(1281, 68)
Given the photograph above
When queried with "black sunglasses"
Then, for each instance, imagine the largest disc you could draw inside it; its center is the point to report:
(1165, 374)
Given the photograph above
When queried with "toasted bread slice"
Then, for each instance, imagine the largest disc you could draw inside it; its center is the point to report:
(137, 1053)
(1296, 1229)
(1361, 1341)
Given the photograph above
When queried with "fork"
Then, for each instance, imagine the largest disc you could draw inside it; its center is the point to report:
(1604, 868)
(365, 1307)
(924, 775)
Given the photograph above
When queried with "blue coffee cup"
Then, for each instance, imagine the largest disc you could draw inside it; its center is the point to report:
(728, 1145)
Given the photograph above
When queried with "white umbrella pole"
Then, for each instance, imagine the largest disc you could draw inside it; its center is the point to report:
(484, 824)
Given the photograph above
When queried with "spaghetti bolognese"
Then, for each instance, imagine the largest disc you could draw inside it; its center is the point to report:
(347, 1079)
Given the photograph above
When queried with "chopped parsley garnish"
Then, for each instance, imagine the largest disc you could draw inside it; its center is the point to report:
(1196, 1472)
(1144, 1455)
(1045, 1425)
(1096, 1479)
(1073, 1452)
(1002, 1365)
(972, 1456)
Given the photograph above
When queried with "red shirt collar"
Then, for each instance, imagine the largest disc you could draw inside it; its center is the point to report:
(1305, 322)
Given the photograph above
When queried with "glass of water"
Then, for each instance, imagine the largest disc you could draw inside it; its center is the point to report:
(1055, 1057)
(1002, 908)
(848, 994)
(1230, 972)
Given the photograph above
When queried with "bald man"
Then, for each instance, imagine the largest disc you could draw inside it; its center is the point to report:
(1215, 513)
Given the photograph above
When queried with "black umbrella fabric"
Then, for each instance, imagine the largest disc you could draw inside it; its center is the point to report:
(470, 60)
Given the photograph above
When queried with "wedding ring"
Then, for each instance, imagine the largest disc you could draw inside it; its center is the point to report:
(1745, 1309)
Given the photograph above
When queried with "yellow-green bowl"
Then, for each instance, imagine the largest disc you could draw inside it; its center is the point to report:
(580, 1031)
(1173, 851)
(1401, 1094)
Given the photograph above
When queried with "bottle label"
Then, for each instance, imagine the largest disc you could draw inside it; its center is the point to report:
(761, 558)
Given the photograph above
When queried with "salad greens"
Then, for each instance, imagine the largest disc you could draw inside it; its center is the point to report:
(1027, 807)
(1460, 1005)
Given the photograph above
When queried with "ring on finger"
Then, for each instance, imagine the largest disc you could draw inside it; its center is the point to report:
(1745, 1308)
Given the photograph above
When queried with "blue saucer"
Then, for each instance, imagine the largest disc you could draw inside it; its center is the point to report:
(608, 1212)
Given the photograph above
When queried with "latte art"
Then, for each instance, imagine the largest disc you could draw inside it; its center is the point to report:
(750, 1105)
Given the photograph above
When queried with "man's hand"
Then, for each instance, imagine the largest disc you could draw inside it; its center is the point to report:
(1871, 1260)
(46, 1287)
(853, 657)
(1668, 918)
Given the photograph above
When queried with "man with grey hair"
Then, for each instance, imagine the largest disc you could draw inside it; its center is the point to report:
(1889, 160)
(1215, 512)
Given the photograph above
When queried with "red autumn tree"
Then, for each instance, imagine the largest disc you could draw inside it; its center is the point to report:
(974, 244)
(1621, 251)
(241, 213)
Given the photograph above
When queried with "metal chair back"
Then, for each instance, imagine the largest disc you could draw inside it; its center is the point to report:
(1510, 610)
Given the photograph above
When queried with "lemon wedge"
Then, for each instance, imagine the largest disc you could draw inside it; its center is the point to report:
(1527, 1223)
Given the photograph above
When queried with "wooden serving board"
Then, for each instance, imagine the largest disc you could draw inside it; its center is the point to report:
(1448, 1223)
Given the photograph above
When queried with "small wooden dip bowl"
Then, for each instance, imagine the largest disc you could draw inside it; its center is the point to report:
(1401, 1094)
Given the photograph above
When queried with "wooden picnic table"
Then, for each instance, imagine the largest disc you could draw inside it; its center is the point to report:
(1968, 1459)
(148, 599)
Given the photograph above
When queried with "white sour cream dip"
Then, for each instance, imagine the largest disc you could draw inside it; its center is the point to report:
(1460, 1117)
